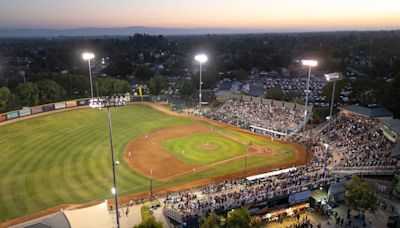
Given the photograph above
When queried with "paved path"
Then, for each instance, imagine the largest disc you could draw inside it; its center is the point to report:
(133, 218)
(159, 216)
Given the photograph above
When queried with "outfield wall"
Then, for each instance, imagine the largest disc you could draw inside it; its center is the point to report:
(29, 111)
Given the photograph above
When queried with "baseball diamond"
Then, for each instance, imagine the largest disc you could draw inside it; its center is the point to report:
(64, 158)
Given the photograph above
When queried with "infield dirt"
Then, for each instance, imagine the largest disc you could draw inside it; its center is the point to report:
(147, 152)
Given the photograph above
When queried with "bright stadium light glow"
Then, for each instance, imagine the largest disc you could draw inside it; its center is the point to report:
(310, 63)
(333, 76)
(201, 58)
(87, 56)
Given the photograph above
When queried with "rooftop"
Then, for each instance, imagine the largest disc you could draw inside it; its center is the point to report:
(367, 112)
(393, 124)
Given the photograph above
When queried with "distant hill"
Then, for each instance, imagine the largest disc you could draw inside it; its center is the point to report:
(128, 31)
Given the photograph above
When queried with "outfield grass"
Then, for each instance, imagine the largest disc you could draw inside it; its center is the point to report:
(64, 157)
(192, 148)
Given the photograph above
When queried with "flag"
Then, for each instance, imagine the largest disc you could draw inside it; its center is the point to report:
(140, 91)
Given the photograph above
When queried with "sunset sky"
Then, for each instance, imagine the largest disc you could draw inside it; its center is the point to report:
(253, 14)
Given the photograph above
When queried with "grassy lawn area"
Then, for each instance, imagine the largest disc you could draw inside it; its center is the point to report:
(204, 148)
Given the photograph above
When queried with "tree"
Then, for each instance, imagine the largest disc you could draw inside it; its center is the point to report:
(327, 90)
(50, 91)
(391, 95)
(143, 72)
(28, 93)
(112, 86)
(211, 221)
(293, 96)
(186, 89)
(149, 223)
(148, 220)
(239, 218)
(274, 93)
(5, 98)
(156, 84)
(121, 67)
(359, 195)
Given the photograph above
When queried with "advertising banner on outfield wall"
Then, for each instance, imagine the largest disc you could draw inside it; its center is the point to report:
(25, 112)
(71, 104)
(49, 107)
(37, 109)
(59, 105)
(83, 102)
(12, 115)
(2, 118)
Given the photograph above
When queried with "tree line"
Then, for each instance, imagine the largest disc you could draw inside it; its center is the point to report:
(46, 88)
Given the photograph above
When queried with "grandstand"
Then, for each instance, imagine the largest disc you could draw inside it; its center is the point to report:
(269, 117)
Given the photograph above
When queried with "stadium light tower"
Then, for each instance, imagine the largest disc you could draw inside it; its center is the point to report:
(89, 56)
(201, 58)
(108, 103)
(331, 77)
(310, 64)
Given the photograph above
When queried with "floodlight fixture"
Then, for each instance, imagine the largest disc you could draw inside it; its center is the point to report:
(201, 58)
(331, 77)
(88, 56)
(309, 62)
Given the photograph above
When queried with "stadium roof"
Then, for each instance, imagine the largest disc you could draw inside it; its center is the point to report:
(367, 112)
(393, 124)
(257, 90)
(225, 85)
(396, 150)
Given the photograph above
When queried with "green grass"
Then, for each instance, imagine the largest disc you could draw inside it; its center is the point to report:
(64, 157)
(194, 152)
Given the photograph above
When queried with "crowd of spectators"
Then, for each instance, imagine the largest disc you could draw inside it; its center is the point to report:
(360, 143)
(235, 193)
(245, 113)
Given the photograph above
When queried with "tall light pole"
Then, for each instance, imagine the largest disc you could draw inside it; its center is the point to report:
(109, 103)
(89, 56)
(310, 64)
(201, 58)
(331, 77)
(151, 184)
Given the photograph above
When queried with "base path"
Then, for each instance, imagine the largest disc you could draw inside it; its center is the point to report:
(147, 156)
(147, 152)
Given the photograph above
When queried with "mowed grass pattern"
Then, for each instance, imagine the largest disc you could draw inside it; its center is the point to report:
(195, 151)
(64, 158)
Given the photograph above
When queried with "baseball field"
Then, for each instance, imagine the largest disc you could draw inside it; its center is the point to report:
(64, 158)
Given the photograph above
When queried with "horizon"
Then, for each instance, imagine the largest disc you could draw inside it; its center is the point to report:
(308, 15)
